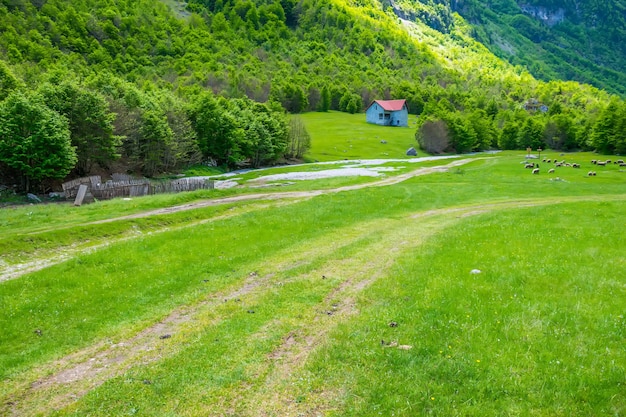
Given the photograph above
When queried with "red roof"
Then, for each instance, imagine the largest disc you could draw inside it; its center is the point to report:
(390, 105)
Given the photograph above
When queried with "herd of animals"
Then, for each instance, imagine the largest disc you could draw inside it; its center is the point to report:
(535, 166)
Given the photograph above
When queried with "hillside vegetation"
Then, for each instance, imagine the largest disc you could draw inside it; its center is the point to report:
(553, 39)
(153, 87)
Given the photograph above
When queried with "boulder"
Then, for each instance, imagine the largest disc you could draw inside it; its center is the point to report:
(411, 152)
(33, 198)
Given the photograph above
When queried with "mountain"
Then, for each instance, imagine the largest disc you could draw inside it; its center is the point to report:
(582, 41)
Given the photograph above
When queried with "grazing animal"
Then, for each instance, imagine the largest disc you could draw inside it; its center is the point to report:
(601, 163)
(551, 171)
(536, 171)
(531, 165)
(543, 160)
(620, 161)
(594, 161)
(549, 161)
(575, 165)
(622, 164)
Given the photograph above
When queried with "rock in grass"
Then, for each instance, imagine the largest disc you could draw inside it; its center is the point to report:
(33, 198)
(411, 152)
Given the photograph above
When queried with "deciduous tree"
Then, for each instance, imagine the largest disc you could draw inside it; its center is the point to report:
(90, 123)
(34, 141)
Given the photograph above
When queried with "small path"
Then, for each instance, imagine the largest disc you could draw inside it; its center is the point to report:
(292, 194)
(18, 270)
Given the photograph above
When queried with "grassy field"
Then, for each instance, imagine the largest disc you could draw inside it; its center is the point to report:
(359, 302)
(355, 139)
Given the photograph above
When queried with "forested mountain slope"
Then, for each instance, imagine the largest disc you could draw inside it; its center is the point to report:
(582, 41)
(155, 86)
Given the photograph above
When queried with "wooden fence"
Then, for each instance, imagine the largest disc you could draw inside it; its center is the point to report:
(70, 188)
(126, 186)
(181, 185)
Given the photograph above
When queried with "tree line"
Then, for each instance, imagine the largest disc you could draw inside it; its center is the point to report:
(443, 129)
(70, 128)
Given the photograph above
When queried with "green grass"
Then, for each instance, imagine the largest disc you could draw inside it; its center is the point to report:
(337, 135)
(282, 305)
(539, 332)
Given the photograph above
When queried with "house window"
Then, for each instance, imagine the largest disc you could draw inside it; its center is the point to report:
(380, 116)
(387, 116)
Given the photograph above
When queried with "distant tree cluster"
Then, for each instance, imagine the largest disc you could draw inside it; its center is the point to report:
(444, 129)
(237, 131)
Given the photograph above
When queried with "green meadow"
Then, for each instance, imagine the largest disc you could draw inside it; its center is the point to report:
(355, 138)
(476, 290)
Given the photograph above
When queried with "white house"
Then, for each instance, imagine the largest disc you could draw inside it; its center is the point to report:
(388, 113)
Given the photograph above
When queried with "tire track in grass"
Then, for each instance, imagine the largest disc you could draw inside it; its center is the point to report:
(277, 393)
(8, 272)
(72, 376)
(294, 194)
(78, 373)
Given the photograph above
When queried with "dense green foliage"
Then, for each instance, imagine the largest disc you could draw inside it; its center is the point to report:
(131, 78)
(34, 141)
(581, 41)
(90, 123)
(230, 131)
